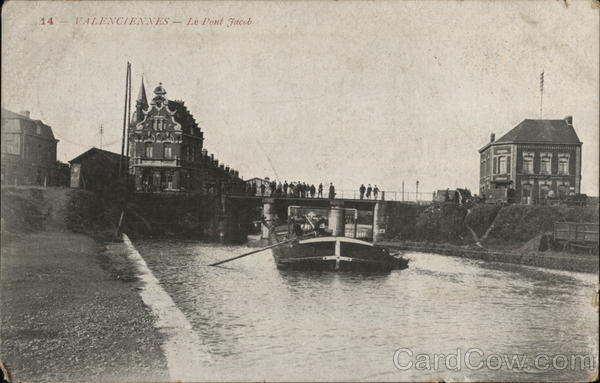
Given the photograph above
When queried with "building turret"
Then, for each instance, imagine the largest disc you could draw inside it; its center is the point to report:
(141, 104)
(159, 96)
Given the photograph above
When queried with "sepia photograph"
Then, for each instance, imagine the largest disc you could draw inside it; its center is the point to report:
(315, 191)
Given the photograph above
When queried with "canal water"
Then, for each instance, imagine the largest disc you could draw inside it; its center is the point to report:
(259, 323)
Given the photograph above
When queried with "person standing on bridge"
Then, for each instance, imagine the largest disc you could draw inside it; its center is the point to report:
(285, 187)
(313, 190)
(375, 192)
(331, 191)
(320, 193)
(369, 189)
(361, 190)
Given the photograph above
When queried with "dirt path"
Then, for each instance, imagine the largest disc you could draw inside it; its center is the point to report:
(56, 200)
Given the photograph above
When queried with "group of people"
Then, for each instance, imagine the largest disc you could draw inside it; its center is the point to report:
(293, 189)
(368, 191)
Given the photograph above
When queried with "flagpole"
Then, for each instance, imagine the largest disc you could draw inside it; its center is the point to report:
(541, 94)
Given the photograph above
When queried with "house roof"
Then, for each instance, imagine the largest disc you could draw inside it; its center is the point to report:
(10, 115)
(185, 118)
(110, 156)
(540, 132)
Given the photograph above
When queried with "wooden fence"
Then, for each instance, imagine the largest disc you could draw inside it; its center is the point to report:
(585, 235)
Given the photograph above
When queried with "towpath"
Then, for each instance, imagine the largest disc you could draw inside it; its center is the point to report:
(70, 310)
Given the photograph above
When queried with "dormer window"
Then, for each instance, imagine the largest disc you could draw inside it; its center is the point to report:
(159, 124)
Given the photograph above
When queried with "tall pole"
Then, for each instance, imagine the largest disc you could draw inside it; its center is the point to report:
(128, 122)
(124, 122)
(541, 94)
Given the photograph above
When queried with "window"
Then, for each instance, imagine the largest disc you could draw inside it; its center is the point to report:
(148, 150)
(482, 170)
(563, 164)
(38, 130)
(167, 150)
(526, 193)
(546, 165)
(169, 181)
(502, 165)
(11, 144)
(528, 163)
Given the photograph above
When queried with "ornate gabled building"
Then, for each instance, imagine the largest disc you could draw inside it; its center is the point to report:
(166, 150)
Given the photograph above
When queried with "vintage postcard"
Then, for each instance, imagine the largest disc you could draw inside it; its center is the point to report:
(206, 191)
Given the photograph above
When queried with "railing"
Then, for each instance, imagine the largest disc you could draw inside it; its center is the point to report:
(576, 232)
(174, 161)
(385, 195)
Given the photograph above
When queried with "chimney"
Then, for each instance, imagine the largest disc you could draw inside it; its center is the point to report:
(492, 137)
(569, 120)
(25, 113)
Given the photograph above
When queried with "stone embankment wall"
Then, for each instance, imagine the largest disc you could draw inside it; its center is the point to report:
(190, 216)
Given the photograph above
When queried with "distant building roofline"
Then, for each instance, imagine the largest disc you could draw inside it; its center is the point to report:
(110, 155)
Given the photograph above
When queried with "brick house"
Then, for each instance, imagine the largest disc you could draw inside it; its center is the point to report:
(167, 153)
(537, 159)
(28, 151)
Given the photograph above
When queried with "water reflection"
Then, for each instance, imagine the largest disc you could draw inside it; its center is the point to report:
(261, 323)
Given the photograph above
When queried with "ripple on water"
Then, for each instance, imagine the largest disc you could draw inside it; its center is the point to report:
(261, 323)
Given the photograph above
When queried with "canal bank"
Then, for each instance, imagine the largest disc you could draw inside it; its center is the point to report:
(584, 263)
(70, 305)
(71, 311)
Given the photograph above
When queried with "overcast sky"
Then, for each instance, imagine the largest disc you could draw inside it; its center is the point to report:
(349, 92)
